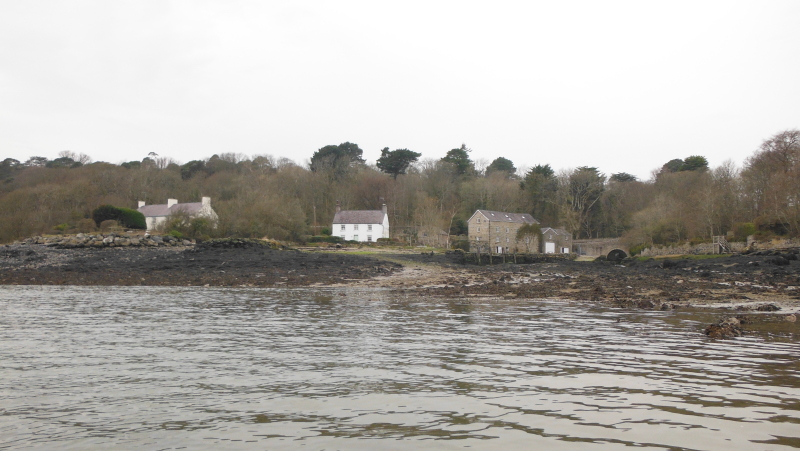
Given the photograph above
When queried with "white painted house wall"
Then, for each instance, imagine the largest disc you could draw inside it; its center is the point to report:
(348, 229)
(362, 232)
(155, 215)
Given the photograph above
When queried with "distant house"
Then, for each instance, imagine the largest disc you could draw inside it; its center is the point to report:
(556, 241)
(496, 231)
(157, 214)
(361, 225)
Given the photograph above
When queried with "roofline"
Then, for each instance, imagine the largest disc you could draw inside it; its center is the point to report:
(476, 212)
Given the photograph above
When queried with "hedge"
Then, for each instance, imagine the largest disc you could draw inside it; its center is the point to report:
(128, 217)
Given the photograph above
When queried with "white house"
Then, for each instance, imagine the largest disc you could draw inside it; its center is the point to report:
(361, 225)
(156, 215)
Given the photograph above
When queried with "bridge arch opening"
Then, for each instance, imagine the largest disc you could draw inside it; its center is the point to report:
(616, 255)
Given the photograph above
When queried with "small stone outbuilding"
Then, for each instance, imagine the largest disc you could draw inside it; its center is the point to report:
(556, 241)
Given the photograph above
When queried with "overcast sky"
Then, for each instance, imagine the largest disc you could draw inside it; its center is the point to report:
(621, 85)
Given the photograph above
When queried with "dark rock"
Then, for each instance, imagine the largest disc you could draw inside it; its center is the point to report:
(778, 261)
(768, 308)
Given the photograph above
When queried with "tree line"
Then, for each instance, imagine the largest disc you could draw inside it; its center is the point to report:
(265, 196)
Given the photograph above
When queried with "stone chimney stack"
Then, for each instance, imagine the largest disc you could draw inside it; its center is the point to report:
(206, 201)
(171, 202)
(338, 207)
(383, 207)
(141, 203)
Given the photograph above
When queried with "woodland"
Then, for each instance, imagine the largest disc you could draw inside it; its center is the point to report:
(263, 196)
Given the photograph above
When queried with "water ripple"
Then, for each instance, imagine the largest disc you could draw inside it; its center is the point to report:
(194, 368)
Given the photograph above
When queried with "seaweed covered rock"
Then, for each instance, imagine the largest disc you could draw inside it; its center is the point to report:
(726, 328)
(240, 243)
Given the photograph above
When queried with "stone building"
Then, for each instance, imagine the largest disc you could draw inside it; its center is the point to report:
(496, 232)
(157, 214)
(556, 241)
(361, 225)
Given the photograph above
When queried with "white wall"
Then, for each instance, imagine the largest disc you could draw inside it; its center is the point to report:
(362, 232)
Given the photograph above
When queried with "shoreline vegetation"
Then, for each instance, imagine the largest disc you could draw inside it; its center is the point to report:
(429, 200)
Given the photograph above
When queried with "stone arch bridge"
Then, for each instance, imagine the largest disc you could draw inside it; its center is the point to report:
(612, 248)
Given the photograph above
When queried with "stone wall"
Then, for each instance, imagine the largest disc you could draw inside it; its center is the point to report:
(708, 248)
(83, 240)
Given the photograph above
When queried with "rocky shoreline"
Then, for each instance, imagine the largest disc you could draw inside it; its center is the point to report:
(760, 285)
(114, 239)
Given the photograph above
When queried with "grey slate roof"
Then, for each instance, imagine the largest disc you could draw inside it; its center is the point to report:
(501, 216)
(162, 210)
(359, 217)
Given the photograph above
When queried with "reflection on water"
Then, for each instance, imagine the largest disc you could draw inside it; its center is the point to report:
(168, 368)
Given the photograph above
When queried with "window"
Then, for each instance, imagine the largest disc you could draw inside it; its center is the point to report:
(343, 239)
(497, 239)
(479, 229)
(369, 227)
(355, 226)
(342, 226)
(479, 220)
(355, 237)
(497, 229)
(506, 229)
(507, 240)
(477, 238)
(369, 237)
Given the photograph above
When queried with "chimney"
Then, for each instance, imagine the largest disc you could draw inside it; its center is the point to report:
(338, 207)
(171, 202)
(206, 201)
(385, 209)
(141, 203)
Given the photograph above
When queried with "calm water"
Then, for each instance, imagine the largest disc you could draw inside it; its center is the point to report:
(178, 368)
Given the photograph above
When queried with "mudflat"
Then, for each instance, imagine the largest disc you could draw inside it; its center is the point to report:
(766, 280)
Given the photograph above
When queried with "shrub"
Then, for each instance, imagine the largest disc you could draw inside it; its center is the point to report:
(636, 250)
(108, 224)
(176, 233)
(105, 213)
(61, 227)
(125, 216)
(743, 229)
(86, 225)
(199, 229)
(132, 219)
(460, 244)
(324, 239)
(325, 231)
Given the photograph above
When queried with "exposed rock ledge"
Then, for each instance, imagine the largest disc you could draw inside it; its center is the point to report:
(84, 240)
